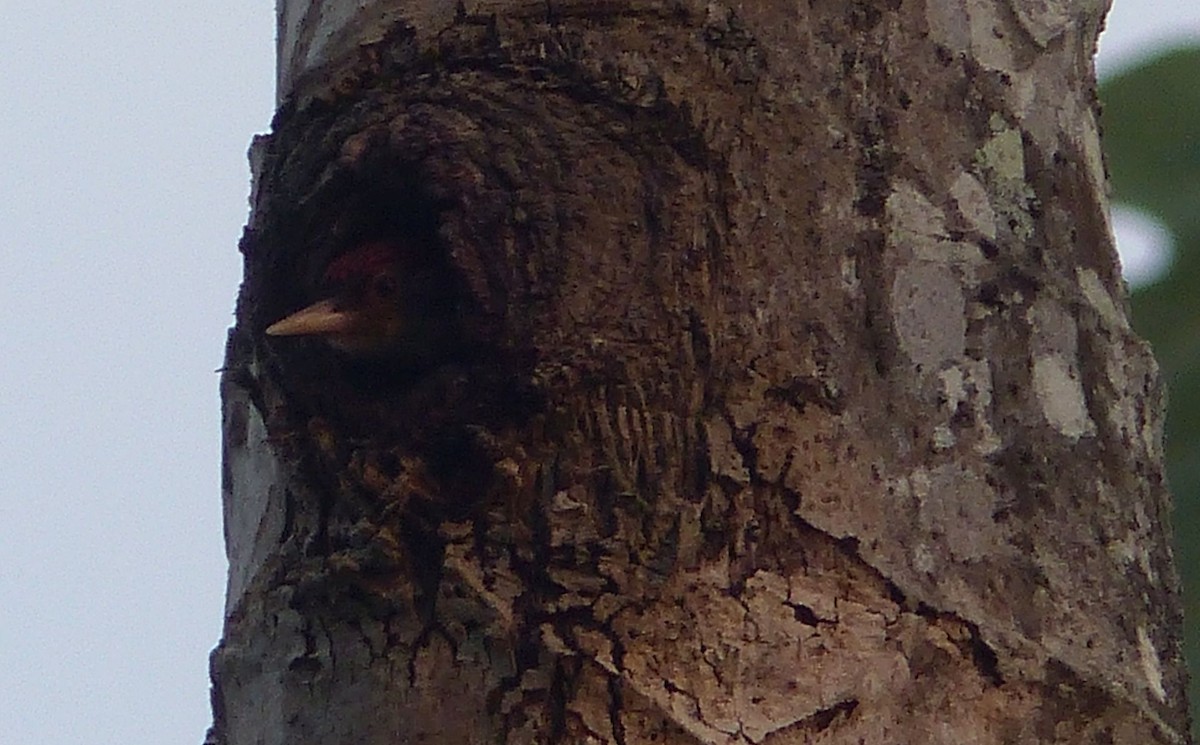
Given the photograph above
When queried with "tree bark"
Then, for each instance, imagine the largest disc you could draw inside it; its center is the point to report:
(796, 400)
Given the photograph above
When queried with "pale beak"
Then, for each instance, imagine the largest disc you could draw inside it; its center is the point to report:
(322, 318)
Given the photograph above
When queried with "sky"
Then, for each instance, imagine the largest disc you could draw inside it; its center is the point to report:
(124, 183)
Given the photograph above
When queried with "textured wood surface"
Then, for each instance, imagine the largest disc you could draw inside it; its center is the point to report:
(797, 400)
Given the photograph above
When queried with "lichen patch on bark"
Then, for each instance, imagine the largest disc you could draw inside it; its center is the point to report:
(928, 309)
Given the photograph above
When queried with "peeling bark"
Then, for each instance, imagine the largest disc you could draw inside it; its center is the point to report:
(794, 398)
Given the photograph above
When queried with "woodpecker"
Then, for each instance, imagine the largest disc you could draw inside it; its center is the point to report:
(382, 303)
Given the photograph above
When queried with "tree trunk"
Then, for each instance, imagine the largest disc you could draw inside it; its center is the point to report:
(794, 397)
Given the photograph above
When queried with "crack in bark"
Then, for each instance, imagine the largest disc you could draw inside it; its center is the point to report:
(973, 648)
(825, 718)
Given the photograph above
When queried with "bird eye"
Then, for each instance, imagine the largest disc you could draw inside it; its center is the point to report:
(385, 285)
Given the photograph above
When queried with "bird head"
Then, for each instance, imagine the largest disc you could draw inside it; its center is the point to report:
(365, 310)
